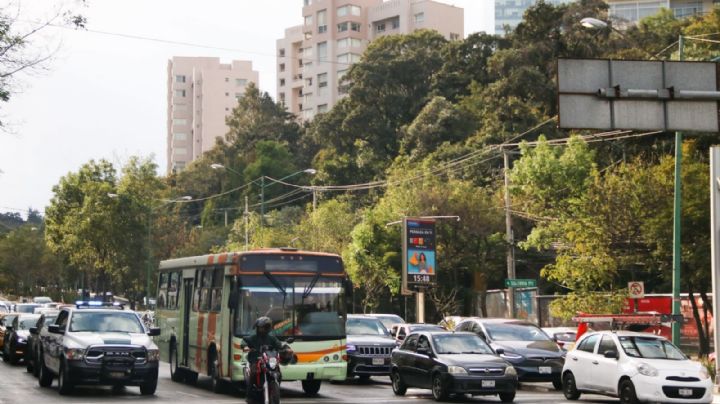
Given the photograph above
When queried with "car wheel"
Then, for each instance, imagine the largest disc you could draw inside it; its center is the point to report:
(36, 364)
(64, 385)
(148, 389)
(45, 378)
(14, 360)
(311, 387)
(569, 387)
(557, 384)
(627, 392)
(175, 371)
(439, 391)
(398, 386)
(507, 397)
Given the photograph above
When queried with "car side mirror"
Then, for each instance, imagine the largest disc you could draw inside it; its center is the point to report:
(55, 329)
(611, 354)
(499, 351)
(154, 332)
(424, 351)
(33, 330)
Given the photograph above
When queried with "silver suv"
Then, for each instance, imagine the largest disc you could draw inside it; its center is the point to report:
(98, 345)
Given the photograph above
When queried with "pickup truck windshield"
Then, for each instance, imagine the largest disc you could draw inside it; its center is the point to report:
(106, 322)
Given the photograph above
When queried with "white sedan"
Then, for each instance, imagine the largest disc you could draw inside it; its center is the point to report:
(636, 367)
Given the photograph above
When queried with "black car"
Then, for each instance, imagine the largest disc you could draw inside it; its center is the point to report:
(32, 353)
(16, 336)
(448, 363)
(535, 356)
(369, 346)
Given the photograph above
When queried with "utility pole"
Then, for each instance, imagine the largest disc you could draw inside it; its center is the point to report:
(262, 200)
(226, 217)
(314, 191)
(715, 243)
(677, 218)
(246, 214)
(509, 234)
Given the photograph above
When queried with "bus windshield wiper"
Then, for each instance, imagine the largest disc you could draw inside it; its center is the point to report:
(275, 283)
(310, 286)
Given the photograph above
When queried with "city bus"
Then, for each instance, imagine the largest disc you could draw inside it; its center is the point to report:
(207, 304)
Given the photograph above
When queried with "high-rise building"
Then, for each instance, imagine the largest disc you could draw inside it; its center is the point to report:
(510, 12)
(202, 92)
(632, 11)
(314, 57)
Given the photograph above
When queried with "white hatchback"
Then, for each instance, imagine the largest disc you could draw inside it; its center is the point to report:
(636, 367)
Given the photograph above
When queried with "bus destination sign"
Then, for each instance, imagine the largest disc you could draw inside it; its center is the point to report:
(419, 265)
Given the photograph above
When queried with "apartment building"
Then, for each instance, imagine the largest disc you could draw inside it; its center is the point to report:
(509, 13)
(314, 57)
(632, 11)
(201, 93)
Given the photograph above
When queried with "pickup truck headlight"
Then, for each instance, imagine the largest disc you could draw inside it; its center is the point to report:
(646, 370)
(350, 348)
(457, 370)
(153, 355)
(74, 354)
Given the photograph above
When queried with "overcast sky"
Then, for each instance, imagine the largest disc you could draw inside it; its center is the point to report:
(104, 95)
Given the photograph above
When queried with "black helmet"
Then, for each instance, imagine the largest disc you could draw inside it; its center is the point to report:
(263, 324)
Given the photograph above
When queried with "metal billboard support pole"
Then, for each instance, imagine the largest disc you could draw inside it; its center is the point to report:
(420, 303)
(715, 244)
(677, 224)
(508, 229)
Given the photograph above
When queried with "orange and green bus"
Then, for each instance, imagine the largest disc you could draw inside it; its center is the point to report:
(207, 304)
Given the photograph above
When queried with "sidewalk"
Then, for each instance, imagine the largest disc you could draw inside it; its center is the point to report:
(547, 387)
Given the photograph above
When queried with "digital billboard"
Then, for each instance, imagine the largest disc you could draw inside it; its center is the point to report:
(419, 264)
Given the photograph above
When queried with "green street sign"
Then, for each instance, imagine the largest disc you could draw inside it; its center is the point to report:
(520, 283)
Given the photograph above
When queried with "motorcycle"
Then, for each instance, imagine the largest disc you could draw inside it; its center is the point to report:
(263, 387)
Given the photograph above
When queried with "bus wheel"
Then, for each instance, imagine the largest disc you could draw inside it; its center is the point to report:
(191, 377)
(175, 371)
(311, 387)
(214, 373)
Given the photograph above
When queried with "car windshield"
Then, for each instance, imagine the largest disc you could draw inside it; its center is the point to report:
(565, 336)
(8, 320)
(26, 323)
(365, 326)
(515, 332)
(388, 320)
(460, 344)
(650, 348)
(426, 327)
(106, 322)
(26, 308)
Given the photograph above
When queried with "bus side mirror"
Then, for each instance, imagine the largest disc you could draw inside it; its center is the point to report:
(233, 299)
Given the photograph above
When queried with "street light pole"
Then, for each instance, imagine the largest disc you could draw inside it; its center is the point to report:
(677, 222)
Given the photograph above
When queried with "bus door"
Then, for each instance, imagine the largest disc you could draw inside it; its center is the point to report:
(187, 307)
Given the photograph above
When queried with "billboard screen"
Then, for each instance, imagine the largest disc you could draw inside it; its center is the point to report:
(419, 264)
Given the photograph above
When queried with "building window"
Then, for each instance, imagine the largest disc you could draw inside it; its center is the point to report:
(322, 82)
(180, 151)
(395, 23)
(180, 136)
(282, 67)
(307, 2)
(179, 121)
(308, 20)
(180, 107)
(322, 51)
(179, 78)
(322, 21)
(282, 82)
(238, 96)
(380, 27)
(308, 82)
(243, 82)
(348, 10)
(227, 109)
(348, 58)
(322, 108)
(227, 79)
(281, 53)
(227, 94)
(180, 93)
(342, 43)
(355, 26)
(343, 26)
(454, 37)
(419, 17)
(281, 97)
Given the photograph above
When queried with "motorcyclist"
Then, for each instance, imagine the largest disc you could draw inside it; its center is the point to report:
(253, 344)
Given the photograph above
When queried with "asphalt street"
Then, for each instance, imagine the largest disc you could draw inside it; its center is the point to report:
(18, 386)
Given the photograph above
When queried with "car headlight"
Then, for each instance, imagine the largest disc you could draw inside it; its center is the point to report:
(704, 374)
(272, 363)
(153, 355)
(511, 356)
(74, 354)
(646, 370)
(510, 371)
(350, 348)
(457, 370)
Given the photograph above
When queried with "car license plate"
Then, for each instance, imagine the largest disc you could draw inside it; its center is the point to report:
(545, 370)
(378, 361)
(487, 383)
(117, 375)
(685, 392)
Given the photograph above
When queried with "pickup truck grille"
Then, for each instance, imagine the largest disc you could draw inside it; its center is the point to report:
(118, 355)
(375, 350)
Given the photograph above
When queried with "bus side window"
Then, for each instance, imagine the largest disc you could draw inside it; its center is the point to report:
(162, 290)
(173, 290)
(198, 287)
(217, 285)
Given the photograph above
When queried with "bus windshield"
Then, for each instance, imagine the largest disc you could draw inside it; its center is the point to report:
(309, 308)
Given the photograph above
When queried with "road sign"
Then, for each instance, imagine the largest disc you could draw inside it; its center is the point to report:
(520, 283)
(636, 290)
(419, 265)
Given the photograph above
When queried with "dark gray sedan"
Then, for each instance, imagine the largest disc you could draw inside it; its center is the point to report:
(451, 363)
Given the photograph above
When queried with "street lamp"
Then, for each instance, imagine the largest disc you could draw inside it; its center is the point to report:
(218, 166)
